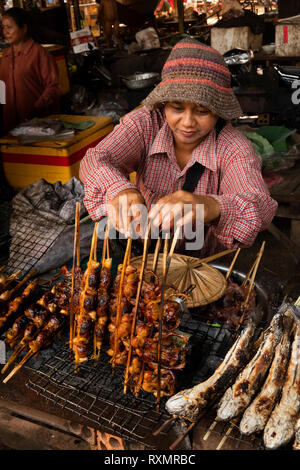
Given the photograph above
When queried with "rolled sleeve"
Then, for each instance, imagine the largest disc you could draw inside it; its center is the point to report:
(246, 207)
(105, 168)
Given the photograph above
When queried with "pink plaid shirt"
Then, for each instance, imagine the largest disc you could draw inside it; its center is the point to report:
(143, 143)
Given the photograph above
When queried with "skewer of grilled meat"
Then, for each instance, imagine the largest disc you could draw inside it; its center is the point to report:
(45, 337)
(37, 317)
(237, 397)
(258, 412)
(16, 331)
(280, 428)
(102, 311)
(120, 310)
(5, 281)
(188, 403)
(86, 314)
(36, 337)
(33, 319)
(43, 340)
(19, 302)
(228, 310)
(167, 382)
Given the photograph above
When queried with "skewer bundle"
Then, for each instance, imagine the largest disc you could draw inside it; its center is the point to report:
(5, 281)
(140, 321)
(10, 304)
(37, 327)
(139, 314)
(234, 308)
(89, 309)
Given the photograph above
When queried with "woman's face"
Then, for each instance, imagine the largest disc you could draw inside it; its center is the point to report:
(189, 122)
(12, 33)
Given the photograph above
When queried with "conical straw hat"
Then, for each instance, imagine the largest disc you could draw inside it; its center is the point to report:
(184, 271)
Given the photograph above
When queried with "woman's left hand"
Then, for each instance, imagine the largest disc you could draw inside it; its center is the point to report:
(180, 208)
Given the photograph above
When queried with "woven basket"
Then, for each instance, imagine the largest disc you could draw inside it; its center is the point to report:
(184, 271)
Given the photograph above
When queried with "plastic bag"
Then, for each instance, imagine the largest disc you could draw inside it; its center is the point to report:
(37, 127)
(147, 38)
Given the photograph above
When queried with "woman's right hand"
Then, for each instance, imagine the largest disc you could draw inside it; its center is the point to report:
(126, 212)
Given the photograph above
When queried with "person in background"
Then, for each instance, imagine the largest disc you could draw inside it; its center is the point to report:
(109, 19)
(28, 71)
(185, 152)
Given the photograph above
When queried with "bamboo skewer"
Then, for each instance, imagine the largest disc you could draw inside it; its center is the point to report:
(18, 367)
(154, 267)
(26, 358)
(224, 438)
(86, 281)
(228, 432)
(250, 272)
(75, 262)
(228, 274)
(182, 436)
(163, 285)
(210, 429)
(9, 280)
(119, 303)
(105, 249)
(171, 252)
(213, 257)
(104, 259)
(174, 241)
(25, 279)
(140, 381)
(14, 355)
(259, 256)
(156, 253)
(253, 269)
(139, 289)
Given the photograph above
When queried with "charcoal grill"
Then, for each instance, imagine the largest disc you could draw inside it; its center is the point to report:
(96, 395)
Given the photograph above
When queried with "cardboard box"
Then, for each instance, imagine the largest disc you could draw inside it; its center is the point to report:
(51, 160)
(224, 39)
(287, 37)
(82, 40)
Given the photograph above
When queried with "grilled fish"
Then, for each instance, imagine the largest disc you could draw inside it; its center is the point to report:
(280, 428)
(259, 411)
(296, 445)
(239, 395)
(188, 403)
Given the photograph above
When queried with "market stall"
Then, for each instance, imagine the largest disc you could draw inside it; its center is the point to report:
(122, 348)
(92, 390)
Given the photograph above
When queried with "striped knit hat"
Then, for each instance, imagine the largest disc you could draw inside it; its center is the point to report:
(198, 74)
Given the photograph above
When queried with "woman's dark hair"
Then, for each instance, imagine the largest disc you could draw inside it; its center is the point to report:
(20, 17)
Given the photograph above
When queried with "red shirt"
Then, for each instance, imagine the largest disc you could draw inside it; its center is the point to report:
(143, 142)
(32, 85)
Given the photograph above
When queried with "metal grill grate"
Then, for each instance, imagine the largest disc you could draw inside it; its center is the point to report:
(224, 435)
(96, 395)
(28, 237)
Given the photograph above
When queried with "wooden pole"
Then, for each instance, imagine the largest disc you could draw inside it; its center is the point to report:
(205, 7)
(180, 10)
(77, 14)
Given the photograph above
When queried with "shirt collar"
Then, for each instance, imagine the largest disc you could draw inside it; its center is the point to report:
(24, 51)
(204, 153)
